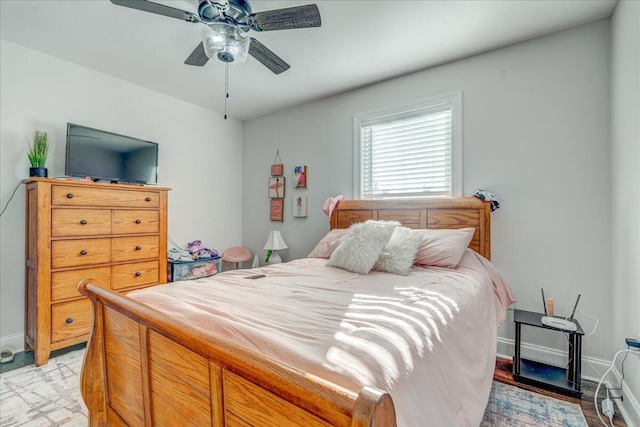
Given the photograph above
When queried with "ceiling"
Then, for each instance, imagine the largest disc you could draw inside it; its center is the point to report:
(359, 43)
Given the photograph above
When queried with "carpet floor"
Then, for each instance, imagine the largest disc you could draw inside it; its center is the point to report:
(49, 396)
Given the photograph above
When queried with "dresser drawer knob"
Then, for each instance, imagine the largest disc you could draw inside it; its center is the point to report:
(148, 199)
(138, 248)
(69, 195)
(138, 221)
(138, 274)
(83, 252)
(69, 320)
(83, 222)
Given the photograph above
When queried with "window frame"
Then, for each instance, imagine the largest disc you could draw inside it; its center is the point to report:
(454, 99)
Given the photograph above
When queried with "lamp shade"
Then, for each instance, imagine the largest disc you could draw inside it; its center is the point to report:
(225, 42)
(275, 242)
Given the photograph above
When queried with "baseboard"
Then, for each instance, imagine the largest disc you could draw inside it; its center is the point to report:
(629, 409)
(592, 370)
(15, 341)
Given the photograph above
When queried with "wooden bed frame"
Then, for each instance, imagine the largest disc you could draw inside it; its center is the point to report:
(144, 368)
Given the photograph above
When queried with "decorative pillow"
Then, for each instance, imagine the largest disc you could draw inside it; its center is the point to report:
(328, 243)
(443, 248)
(362, 245)
(398, 255)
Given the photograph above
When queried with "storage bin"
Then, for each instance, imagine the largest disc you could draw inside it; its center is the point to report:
(189, 270)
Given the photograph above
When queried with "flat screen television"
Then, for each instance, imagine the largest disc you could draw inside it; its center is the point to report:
(98, 154)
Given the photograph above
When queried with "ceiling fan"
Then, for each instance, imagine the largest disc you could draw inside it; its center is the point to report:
(225, 24)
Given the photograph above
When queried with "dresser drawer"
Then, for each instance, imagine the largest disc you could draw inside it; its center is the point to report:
(80, 222)
(68, 195)
(64, 283)
(134, 248)
(71, 319)
(134, 275)
(135, 222)
(72, 253)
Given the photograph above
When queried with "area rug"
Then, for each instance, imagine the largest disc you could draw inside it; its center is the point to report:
(50, 396)
(512, 406)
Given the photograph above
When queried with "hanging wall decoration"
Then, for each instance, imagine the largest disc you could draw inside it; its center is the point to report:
(276, 187)
(276, 211)
(300, 176)
(277, 168)
(300, 206)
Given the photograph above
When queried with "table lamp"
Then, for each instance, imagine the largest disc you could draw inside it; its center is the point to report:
(275, 242)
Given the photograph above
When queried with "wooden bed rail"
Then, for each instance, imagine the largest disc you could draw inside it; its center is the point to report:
(141, 368)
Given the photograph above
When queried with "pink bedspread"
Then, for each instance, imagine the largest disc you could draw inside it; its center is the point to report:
(429, 338)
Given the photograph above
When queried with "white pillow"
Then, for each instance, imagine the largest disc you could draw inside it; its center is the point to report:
(443, 247)
(362, 245)
(398, 255)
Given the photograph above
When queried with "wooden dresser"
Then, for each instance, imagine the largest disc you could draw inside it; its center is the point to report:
(116, 234)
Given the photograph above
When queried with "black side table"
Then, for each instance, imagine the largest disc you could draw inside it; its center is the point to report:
(562, 380)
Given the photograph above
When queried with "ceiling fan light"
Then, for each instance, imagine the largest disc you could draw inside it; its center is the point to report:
(225, 43)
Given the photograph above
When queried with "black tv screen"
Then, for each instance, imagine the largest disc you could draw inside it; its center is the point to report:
(98, 154)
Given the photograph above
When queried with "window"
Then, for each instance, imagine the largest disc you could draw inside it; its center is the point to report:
(410, 151)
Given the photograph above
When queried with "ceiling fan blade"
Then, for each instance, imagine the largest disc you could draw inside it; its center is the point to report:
(160, 9)
(286, 19)
(197, 57)
(266, 57)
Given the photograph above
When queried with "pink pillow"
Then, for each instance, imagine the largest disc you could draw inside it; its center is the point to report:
(328, 243)
(443, 247)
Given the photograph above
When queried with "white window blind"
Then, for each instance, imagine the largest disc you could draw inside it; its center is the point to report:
(408, 153)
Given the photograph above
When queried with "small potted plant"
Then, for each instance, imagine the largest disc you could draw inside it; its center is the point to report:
(37, 153)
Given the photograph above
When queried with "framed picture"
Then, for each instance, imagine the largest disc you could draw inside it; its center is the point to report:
(300, 177)
(276, 187)
(277, 170)
(300, 206)
(276, 210)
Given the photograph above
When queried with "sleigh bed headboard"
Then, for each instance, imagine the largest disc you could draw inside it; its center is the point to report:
(451, 212)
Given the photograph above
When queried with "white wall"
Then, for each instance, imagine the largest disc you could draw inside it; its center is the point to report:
(536, 133)
(200, 155)
(625, 190)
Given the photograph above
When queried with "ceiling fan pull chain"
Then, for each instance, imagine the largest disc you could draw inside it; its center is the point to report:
(226, 88)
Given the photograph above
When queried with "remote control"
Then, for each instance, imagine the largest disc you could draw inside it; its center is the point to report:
(257, 276)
